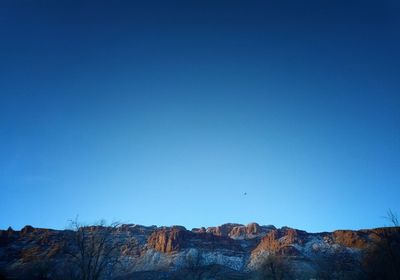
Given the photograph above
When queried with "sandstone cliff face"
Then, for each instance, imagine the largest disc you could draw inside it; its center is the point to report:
(282, 241)
(238, 231)
(173, 239)
(169, 240)
(351, 239)
(240, 248)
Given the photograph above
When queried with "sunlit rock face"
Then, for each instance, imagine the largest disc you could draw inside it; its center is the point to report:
(166, 251)
(169, 240)
(238, 231)
(351, 239)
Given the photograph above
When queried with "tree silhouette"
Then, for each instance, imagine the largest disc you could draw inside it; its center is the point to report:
(93, 251)
(382, 260)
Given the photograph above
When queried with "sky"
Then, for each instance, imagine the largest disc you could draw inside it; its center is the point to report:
(167, 112)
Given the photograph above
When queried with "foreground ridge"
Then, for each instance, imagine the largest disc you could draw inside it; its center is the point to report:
(229, 251)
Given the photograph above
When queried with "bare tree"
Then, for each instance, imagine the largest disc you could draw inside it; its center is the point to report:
(340, 265)
(382, 260)
(93, 250)
(193, 269)
(392, 218)
(275, 267)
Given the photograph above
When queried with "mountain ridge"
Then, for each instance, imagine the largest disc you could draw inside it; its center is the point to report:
(167, 250)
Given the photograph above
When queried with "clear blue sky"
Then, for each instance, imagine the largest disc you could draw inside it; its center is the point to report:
(167, 112)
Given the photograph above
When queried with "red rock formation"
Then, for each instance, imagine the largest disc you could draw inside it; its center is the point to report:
(253, 228)
(168, 240)
(199, 230)
(222, 230)
(349, 238)
(238, 231)
(281, 241)
(244, 231)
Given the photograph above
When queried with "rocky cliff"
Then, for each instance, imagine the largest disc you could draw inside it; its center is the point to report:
(229, 251)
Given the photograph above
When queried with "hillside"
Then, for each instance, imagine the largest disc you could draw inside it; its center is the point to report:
(229, 251)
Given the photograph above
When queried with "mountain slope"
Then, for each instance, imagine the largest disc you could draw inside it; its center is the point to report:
(230, 251)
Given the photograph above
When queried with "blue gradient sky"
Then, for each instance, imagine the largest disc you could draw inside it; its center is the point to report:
(167, 112)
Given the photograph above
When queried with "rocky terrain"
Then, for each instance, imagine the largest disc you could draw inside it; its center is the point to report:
(229, 251)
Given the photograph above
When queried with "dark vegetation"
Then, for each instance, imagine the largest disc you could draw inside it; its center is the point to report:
(382, 260)
(93, 253)
(87, 252)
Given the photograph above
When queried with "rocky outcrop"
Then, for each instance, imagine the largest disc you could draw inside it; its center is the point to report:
(169, 240)
(239, 231)
(252, 230)
(282, 241)
(173, 239)
(351, 239)
(222, 230)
